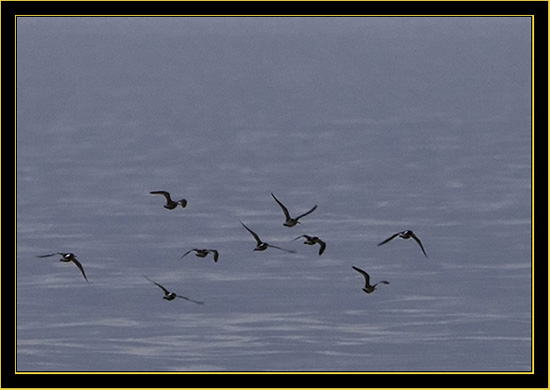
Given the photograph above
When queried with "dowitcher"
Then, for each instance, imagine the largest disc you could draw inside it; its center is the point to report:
(67, 258)
(170, 296)
(289, 220)
(405, 234)
(170, 204)
(203, 253)
(262, 246)
(312, 240)
(368, 287)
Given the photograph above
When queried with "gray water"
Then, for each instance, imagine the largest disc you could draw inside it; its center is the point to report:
(386, 124)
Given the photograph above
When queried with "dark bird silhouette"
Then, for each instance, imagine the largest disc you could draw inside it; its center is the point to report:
(312, 241)
(368, 287)
(67, 258)
(203, 253)
(289, 220)
(405, 234)
(262, 246)
(170, 296)
(170, 204)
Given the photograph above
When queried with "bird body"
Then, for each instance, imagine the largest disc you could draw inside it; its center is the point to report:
(68, 258)
(203, 253)
(368, 287)
(262, 246)
(312, 240)
(405, 234)
(290, 222)
(170, 204)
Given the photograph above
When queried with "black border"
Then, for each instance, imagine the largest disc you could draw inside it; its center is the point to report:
(538, 379)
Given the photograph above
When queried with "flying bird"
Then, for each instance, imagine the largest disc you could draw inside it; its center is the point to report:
(405, 234)
(170, 296)
(262, 246)
(170, 204)
(289, 220)
(67, 258)
(203, 253)
(312, 241)
(368, 287)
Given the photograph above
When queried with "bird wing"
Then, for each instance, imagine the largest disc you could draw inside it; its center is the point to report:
(366, 275)
(309, 212)
(166, 292)
(323, 246)
(419, 243)
(166, 194)
(215, 253)
(51, 254)
(285, 210)
(282, 249)
(190, 300)
(388, 239)
(383, 282)
(185, 254)
(77, 263)
(304, 236)
(253, 234)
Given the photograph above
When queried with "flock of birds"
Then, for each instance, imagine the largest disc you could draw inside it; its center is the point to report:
(260, 246)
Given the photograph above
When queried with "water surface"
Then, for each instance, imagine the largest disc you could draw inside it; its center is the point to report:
(385, 124)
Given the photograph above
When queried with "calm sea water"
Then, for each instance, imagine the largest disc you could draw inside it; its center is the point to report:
(385, 124)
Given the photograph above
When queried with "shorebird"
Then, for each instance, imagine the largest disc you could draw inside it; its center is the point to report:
(405, 234)
(67, 258)
(312, 241)
(170, 204)
(170, 296)
(368, 287)
(262, 246)
(202, 253)
(289, 220)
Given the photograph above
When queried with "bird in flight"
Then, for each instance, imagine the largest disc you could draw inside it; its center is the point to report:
(170, 204)
(312, 241)
(67, 258)
(368, 287)
(289, 220)
(170, 296)
(405, 234)
(262, 246)
(202, 253)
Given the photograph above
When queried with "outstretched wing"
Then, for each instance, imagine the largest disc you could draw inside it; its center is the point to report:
(285, 210)
(51, 254)
(419, 243)
(185, 254)
(323, 246)
(164, 193)
(77, 263)
(190, 300)
(215, 253)
(166, 292)
(282, 249)
(304, 236)
(388, 239)
(365, 275)
(253, 234)
(309, 212)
